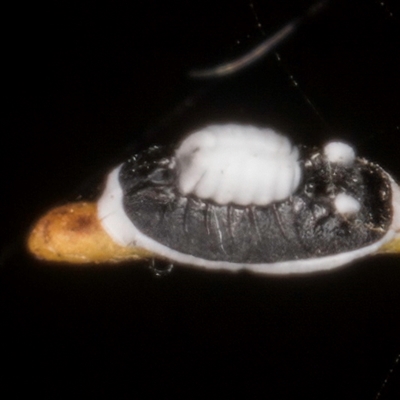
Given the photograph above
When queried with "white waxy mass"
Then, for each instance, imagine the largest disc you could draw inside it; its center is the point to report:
(340, 153)
(346, 205)
(238, 164)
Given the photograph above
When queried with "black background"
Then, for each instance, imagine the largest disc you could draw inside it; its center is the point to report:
(85, 85)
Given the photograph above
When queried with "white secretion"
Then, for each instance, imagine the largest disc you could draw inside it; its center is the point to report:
(111, 213)
(238, 164)
(339, 153)
(396, 207)
(346, 205)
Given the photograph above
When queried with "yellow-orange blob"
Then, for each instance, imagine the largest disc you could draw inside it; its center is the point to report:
(72, 233)
(391, 247)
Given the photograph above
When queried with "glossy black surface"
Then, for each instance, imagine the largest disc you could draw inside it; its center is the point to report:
(88, 84)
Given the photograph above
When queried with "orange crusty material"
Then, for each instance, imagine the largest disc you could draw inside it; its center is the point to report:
(72, 233)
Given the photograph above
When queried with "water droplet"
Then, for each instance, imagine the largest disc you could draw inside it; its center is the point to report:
(160, 268)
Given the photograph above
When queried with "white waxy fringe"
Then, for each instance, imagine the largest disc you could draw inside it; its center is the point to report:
(119, 227)
(396, 207)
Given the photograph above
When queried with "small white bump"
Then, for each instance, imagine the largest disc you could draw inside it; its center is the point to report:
(346, 205)
(339, 153)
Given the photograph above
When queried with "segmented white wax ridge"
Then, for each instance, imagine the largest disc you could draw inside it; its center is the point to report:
(339, 153)
(238, 164)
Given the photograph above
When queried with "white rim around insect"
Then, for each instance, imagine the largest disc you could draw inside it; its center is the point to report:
(117, 224)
